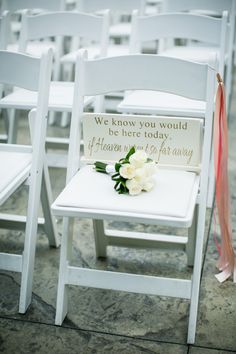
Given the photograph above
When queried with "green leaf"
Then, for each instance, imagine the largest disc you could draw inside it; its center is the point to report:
(131, 152)
(117, 166)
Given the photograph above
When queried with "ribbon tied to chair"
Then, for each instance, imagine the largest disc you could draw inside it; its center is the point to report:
(227, 259)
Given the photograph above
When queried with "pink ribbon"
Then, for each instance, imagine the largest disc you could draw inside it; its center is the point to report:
(227, 259)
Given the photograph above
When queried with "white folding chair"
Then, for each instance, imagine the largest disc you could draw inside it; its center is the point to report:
(171, 26)
(214, 8)
(206, 29)
(57, 24)
(16, 7)
(25, 163)
(89, 194)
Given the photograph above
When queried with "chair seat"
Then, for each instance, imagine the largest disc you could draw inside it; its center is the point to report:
(60, 98)
(15, 168)
(94, 52)
(201, 54)
(154, 102)
(173, 196)
(165, 103)
(35, 48)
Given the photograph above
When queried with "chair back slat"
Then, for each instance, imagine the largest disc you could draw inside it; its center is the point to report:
(63, 24)
(187, 26)
(119, 73)
(21, 70)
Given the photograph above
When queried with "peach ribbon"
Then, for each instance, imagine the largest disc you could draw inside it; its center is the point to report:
(227, 259)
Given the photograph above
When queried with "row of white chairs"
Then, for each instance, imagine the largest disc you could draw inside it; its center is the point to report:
(35, 27)
(97, 77)
(209, 30)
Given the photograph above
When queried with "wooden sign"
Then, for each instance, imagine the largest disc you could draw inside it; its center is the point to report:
(167, 140)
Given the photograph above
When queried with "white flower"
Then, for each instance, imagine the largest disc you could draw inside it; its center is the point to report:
(127, 171)
(150, 168)
(134, 187)
(138, 159)
(140, 175)
(148, 184)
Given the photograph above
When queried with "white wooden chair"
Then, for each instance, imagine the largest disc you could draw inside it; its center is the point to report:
(214, 8)
(56, 24)
(25, 163)
(34, 6)
(206, 29)
(89, 194)
(171, 26)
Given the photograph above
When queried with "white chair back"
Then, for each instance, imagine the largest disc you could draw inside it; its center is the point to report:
(201, 28)
(55, 24)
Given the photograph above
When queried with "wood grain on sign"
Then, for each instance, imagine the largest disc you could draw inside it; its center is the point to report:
(167, 140)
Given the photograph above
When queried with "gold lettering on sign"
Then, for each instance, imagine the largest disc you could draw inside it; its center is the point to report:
(165, 139)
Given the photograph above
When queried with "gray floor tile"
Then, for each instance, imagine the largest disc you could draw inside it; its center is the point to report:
(208, 351)
(23, 337)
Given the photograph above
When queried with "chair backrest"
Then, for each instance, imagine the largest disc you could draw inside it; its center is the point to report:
(205, 29)
(15, 5)
(188, 79)
(121, 6)
(53, 24)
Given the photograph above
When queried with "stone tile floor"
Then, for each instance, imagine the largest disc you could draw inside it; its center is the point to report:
(102, 321)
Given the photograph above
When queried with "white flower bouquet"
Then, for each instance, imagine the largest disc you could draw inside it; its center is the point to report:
(132, 174)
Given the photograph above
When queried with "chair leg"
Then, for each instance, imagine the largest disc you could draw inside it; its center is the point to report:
(100, 238)
(46, 200)
(65, 119)
(67, 74)
(30, 243)
(65, 256)
(196, 278)
(12, 126)
(190, 247)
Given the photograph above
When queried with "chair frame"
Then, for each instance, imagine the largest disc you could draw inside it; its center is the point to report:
(35, 75)
(91, 82)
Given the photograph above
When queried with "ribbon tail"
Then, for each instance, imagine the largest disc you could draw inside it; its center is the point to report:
(226, 262)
